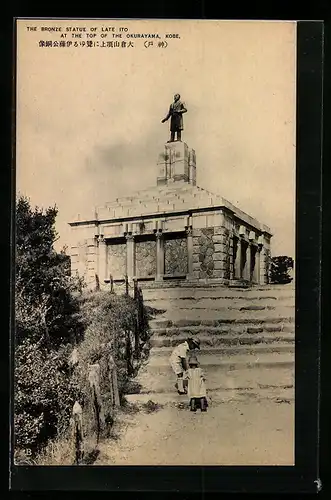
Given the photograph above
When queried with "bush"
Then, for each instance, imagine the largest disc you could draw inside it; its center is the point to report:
(110, 323)
(46, 321)
(44, 395)
(46, 303)
(52, 316)
(279, 271)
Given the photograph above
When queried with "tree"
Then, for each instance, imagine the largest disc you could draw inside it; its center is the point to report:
(279, 271)
(46, 305)
(47, 320)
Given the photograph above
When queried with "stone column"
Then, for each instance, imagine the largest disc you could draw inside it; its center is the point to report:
(237, 263)
(231, 260)
(130, 267)
(257, 266)
(247, 270)
(102, 260)
(263, 266)
(189, 235)
(159, 256)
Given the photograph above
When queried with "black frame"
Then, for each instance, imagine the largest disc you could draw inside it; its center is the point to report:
(303, 476)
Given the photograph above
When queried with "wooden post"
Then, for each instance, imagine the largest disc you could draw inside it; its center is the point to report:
(111, 284)
(128, 353)
(77, 431)
(126, 285)
(115, 398)
(94, 381)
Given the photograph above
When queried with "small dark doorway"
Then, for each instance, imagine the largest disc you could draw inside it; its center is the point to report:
(253, 262)
(244, 262)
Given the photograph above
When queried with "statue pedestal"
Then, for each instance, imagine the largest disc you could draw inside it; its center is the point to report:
(176, 163)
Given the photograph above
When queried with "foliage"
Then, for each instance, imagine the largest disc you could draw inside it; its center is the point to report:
(279, 271)
(47, 319)
(110, 323)
(44, 394)
(46, 305)
(53, 316)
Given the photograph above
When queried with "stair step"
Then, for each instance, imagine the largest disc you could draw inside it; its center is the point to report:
(214, 293)
(227, 350)
(221, 340)
(230, 362)
(217, 321)
(216, 395)
(218, 304)
(222, 377)
(229, 330)
(154, 298)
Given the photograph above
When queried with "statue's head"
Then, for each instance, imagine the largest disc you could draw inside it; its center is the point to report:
(176, 97)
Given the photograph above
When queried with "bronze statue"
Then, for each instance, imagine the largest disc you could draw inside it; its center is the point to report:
(176, 110)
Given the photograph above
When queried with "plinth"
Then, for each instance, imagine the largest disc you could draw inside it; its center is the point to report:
(176, 163)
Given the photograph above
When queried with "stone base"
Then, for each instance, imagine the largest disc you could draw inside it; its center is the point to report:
(176, 164)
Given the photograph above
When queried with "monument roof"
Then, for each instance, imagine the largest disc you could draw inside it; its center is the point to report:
(167, 200)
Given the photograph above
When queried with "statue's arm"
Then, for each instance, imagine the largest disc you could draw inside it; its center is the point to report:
(182, 109)
(168, 115)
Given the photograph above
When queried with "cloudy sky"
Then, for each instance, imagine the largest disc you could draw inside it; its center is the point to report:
(89, 119)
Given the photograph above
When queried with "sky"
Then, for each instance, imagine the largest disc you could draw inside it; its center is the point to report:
(89, 119)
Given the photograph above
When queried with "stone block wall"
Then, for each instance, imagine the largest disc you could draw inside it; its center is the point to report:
(211, 257)
(84, 260)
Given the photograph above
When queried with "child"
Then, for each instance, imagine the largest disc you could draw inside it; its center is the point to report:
(178, 361)
(196, 386)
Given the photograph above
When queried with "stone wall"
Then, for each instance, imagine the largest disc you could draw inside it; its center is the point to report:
(211, 253)
(84, 260)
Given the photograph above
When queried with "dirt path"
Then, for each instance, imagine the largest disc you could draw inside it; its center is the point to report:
(258, 432)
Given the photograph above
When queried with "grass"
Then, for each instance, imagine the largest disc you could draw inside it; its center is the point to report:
(57, 452)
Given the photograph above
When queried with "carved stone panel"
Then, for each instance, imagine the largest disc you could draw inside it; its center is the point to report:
(116, 255)
(145, 256)
(206, 252)
(175, 256)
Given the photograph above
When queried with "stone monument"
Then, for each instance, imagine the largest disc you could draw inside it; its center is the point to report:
(174, 231)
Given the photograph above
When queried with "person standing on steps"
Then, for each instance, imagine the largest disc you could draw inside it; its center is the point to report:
(178, 361)
(176, 110)
(196, 385)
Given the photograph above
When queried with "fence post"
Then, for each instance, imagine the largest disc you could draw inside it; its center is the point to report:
(128, 353)
(111, 284)
(77, 431)
(96, 401)
(113, 382)
(140, 317)
(126, 285)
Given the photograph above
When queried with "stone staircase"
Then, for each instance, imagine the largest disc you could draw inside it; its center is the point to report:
(246, 334)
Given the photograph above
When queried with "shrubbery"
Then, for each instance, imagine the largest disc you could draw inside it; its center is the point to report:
(110, 323)
(46, 321)
(279, 271)
(53, 316)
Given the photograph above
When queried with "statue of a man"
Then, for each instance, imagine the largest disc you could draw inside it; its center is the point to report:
(176, 110)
